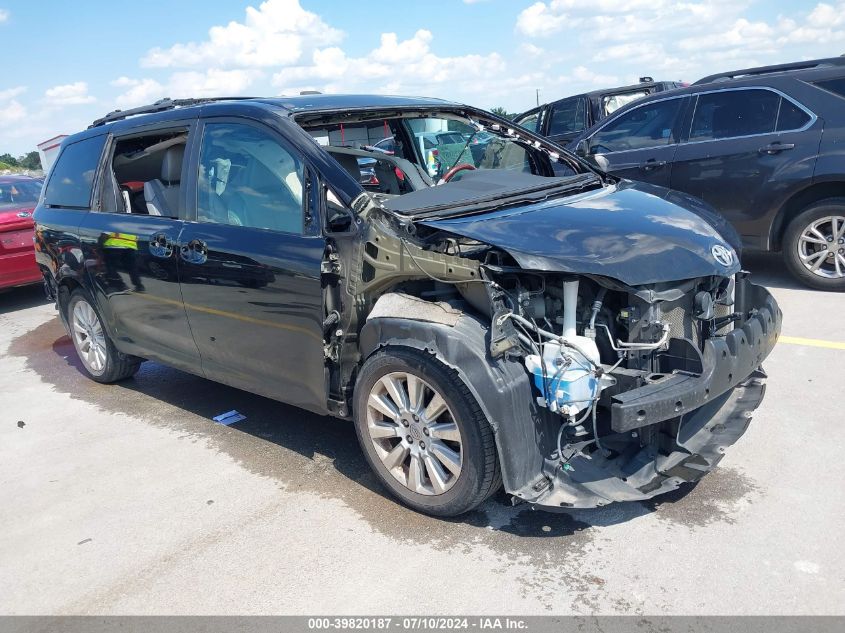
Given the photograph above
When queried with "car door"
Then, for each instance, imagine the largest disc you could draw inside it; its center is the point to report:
(129, 255)
(746, 151)
(639, 143)
(251, 264)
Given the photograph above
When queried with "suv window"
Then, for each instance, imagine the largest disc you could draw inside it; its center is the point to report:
(649, 125)
(836, 86)
(611, 103)
(72, 180)
(734, 113)
(791, 117)
(247, 177)
(569, 115)
(530, 122)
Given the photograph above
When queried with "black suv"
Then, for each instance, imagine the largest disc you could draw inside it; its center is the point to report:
(525, 321)
(565, 119)
(761, 145)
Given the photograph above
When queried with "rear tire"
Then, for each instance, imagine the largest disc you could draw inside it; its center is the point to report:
(814, 245)
(101, 360)
(424, 434)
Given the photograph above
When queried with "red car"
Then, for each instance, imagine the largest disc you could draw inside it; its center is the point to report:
(18, 197)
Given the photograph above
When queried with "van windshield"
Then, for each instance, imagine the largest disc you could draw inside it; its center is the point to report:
(423, 149)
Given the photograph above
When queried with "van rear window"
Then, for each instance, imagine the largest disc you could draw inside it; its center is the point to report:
(72, 179)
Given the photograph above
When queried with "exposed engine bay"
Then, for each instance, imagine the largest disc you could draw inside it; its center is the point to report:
(625, 400)
(612, 364)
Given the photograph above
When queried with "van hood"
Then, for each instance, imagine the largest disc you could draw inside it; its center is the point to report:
(633, 232)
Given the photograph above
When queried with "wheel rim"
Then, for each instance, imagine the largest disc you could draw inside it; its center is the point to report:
(88, 337)
(414, 433)
(821, 247)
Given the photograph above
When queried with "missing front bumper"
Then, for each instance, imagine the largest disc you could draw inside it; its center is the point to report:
(713, 409)
(726, 362)
(704, 435)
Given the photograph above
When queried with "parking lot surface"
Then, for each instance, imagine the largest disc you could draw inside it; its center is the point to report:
(129, 499)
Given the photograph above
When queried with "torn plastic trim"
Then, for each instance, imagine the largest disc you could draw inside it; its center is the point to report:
(704, 434)
(501, 387)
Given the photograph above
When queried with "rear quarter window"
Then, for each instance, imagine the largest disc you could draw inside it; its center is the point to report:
(836, 86)
(72, 179)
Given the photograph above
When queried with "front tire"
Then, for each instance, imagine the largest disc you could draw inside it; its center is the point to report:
(101, 360)
(814, 245)
(424, 434)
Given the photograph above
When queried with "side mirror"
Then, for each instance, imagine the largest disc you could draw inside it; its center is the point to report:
(339, 219)
(602, 162)
(582, 148)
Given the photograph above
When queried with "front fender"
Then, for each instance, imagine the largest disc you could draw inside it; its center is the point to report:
(501, 387)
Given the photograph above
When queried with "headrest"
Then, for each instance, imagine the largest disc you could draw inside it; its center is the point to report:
(171, 165)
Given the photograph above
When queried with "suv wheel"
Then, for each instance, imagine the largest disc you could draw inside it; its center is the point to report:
(424, 434)
(814, 245)
(100, 359)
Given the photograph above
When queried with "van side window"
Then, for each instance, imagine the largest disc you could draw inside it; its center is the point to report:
(569, 115)
(247, 177)
(734, 113)
(146, 174)
(72, 179)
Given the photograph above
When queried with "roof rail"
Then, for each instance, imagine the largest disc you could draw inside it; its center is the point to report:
(159, 106)
(777, 68)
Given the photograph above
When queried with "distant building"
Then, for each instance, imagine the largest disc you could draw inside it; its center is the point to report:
(49, 149)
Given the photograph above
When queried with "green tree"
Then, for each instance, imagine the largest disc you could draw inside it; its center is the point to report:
(31, 160)
(503, 113)
(10, 160)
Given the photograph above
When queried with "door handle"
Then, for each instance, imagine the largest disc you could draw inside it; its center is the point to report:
(651, 164)
(775, 148)
(194, 252)
(161, 246)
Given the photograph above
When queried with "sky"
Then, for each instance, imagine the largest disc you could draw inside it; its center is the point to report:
(67, 63)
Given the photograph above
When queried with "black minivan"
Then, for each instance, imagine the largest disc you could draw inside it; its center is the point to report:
(524, 321)
(763, 146)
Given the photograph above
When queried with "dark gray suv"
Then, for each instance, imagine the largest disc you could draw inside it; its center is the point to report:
(763, 146)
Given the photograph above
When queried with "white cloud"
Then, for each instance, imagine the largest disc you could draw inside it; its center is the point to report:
(539, 20)
(11, 112)
(4, 15)
(278, 32)
(138, 91)
(680, 40)
(68, 94)
(11, 93)
(825, 24)
(211, 83)
(531, 50)
(395, 66)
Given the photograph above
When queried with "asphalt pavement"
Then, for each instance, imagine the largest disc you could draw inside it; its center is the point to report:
(130, 499)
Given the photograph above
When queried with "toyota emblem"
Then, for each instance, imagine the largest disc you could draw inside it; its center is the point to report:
(722, 255)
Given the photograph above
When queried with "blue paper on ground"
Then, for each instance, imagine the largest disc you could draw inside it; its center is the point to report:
(230, 417)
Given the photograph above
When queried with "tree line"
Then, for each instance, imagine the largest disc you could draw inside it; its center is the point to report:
(29, 161)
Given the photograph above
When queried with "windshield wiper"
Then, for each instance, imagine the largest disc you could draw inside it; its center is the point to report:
(485, 204)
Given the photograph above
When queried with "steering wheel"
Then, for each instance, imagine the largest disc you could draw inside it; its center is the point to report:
(457, 168)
